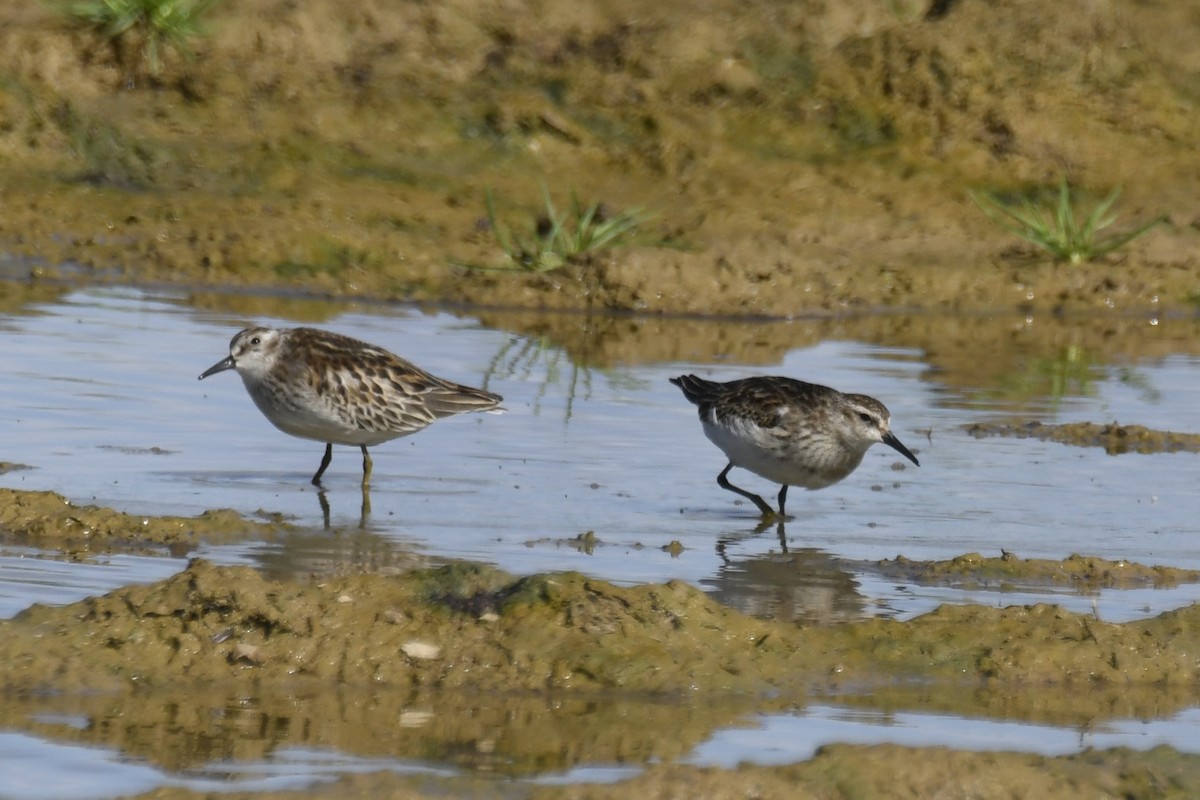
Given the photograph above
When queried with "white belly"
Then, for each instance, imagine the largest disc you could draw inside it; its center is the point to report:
(311, 416)
(811, 463)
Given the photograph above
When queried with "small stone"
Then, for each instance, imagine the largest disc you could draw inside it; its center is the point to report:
(421, 650)
(247, 654)
(412, 718)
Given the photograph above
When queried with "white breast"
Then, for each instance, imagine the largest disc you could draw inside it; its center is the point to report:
(813, 463)
(304, 413)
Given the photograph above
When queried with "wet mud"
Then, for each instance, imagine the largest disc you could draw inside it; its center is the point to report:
(1088, 573)
(471, 628)
(518, 676)
(1115, 439)
(808, 163)
(802, 160)
(50, 521)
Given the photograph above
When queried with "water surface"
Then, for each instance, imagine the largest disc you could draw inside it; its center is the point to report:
(103, 405)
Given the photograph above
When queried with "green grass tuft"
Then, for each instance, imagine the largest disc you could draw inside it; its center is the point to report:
(560, 239)
(1056, 228)
(152, 26)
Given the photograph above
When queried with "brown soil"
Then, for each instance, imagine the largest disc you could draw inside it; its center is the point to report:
(1114, 438)
(808, 161)
(48, 520)
(1083, 572)
(514, 670)
(807, 158)
(463, 627)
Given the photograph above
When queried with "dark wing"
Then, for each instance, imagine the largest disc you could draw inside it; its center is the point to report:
(444, 398)
(758, 399)
(697, 389)
(426, 396)
(384, 391)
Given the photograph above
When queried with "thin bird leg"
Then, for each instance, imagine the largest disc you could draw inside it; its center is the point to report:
(366, 467)
(782, 498)
(316, 481)
(724, 483)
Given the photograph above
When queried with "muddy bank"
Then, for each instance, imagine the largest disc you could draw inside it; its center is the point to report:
(50, 521)
(519, 677)
(1114, 438)
(808, 158)
(1083, 572)
(503, 677)
(464, 627)
(459, 627)
(808, 162)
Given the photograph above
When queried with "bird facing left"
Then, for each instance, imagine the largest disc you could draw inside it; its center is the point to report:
(330, 388)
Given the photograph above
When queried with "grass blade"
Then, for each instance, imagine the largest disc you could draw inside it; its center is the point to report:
(1056, 228)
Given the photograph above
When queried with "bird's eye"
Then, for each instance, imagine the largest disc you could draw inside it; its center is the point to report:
(865, 417)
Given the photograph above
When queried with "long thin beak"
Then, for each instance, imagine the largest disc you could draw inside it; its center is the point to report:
(228, 363)
(889, 439)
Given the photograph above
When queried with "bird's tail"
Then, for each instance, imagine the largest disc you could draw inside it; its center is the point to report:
(457, 399)
(695, 388)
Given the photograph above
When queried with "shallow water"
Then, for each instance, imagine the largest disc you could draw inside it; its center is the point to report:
(29, 576)
(103, 404)
(763, 740)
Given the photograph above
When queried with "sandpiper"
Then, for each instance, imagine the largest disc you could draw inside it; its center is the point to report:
(330, 388)
(787, 431)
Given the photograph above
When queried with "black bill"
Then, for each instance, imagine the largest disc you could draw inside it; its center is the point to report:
(889, 439)
(228, 363)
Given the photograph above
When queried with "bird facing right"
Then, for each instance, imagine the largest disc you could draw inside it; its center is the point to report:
(787, 431)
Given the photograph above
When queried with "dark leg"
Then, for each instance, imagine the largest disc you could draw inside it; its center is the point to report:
(366, 466)
(724, 483)
(782, 498)
(324, 464)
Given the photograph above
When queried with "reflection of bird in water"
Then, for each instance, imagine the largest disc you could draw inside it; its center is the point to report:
(364, 513)
(806, 586)
(788, 431)
(305, 553)
(324, 386)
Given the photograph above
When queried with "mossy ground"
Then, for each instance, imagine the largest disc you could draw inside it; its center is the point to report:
(797, 159)
(803, 161)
